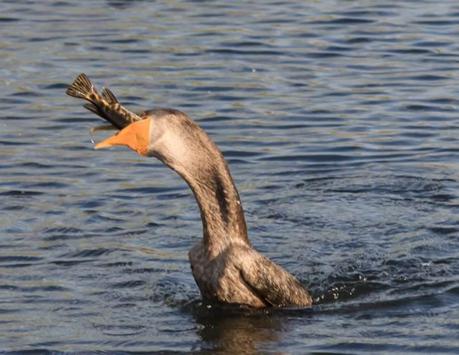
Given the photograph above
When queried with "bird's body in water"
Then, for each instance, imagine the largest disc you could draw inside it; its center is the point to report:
(225, 266)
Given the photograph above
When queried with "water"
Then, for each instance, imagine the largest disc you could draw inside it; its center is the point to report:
(339, 120)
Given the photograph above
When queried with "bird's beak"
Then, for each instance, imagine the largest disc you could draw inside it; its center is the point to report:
(135, 136)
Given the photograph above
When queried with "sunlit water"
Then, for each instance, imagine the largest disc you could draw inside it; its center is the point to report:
(339, 120)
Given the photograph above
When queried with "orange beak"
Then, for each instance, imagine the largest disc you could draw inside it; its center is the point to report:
(135, 136)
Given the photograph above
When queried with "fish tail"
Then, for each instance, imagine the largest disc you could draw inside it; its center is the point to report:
(82, 88)
(105, 104)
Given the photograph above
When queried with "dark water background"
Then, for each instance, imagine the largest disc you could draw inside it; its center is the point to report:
(340, 122)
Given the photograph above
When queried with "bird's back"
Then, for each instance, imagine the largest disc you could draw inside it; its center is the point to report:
(241, 275)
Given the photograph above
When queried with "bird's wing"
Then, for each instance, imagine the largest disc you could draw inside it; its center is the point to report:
(273, 284)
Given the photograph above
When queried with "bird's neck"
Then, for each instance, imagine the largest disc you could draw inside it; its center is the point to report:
(219, 203)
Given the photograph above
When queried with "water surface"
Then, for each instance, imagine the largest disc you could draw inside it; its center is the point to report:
(339, 121)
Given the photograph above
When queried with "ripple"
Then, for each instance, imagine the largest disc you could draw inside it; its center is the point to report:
(55, 86)
(129, 284)
(88, 253)
(343, 21)
(8, 259)
(20, 193)
(9, 19)
(230, 51)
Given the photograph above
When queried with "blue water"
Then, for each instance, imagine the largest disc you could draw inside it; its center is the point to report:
(340, 123)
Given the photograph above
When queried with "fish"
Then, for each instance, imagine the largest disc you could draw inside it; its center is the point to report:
(105, 104)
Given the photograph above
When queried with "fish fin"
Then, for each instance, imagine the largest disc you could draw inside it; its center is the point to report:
(93, 108)
(108, 95)
(105, 127)
(81, 88)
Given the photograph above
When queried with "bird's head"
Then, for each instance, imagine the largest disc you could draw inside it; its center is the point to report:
(170, 136)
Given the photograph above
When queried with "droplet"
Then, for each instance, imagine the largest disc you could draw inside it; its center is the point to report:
(91, 133)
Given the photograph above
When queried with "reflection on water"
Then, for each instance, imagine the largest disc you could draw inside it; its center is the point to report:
(235, 331)
(338, 120)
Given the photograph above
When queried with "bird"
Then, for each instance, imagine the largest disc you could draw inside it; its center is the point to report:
(226, 267)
